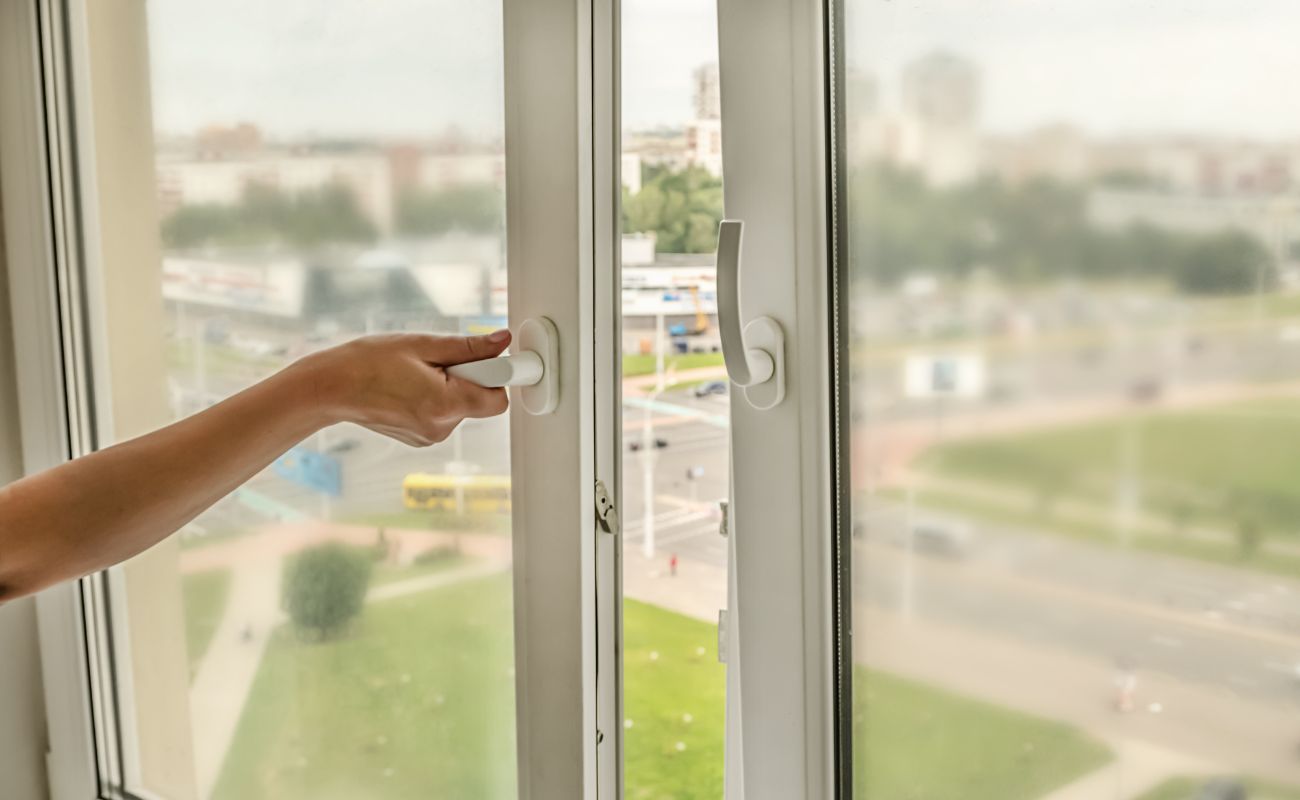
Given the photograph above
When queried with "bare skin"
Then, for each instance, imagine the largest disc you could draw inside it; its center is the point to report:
(96, 511)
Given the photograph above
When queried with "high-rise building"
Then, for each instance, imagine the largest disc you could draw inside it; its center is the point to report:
(939, 131)
(704, 133)
(708, 94)
(942, 89)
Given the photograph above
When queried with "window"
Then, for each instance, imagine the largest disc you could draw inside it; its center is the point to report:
(313, 176)
(320, 174)
(675, 406)
(1072, 349)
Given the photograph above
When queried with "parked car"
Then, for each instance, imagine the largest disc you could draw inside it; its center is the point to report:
(711, 387)
(343, 446)
(1221, 789)
(940, 536)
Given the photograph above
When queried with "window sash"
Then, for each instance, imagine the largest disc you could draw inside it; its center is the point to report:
(786, 532)
(562, 213)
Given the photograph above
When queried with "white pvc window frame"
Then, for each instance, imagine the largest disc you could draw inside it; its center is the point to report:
(788, 691)
(561, 61)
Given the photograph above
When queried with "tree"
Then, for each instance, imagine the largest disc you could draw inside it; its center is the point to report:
(267, 215)
(1225, 263)
(1028, 233)
(682, 208)
(1249, 536)
(325, 587)
(478, 208)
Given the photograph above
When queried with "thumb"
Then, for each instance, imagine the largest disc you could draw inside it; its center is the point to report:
(447, 350)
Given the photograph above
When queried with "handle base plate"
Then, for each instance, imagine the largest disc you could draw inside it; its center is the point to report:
(764, 333)
(540, 335)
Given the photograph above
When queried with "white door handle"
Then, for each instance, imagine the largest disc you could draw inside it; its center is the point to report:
(534, 367)
(754, 353)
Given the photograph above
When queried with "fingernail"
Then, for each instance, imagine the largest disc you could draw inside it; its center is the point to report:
(499, 336)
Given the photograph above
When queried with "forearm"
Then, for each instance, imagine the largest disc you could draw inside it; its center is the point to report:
(96, 511)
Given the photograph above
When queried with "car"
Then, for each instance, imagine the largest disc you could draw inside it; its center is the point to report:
(1221, 789)
(938, 536)
(710, 388)
(343, 446)
(1146, 390)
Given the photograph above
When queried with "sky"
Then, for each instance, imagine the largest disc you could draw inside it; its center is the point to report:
(416, 67)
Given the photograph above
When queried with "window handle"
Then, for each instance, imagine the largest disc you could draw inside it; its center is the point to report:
(534, 367)
(523, 369)
(754, 353)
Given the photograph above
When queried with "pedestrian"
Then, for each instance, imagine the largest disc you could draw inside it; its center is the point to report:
(99, 510)
(672, 565)
(1125, 686)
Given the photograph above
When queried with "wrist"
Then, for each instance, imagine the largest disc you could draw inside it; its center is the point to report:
(313, 389)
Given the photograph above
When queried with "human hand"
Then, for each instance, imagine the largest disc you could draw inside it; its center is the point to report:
(395, 384)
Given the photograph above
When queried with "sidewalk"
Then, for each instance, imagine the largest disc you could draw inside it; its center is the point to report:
(698, 590)
(230, 664)
(1138, 767)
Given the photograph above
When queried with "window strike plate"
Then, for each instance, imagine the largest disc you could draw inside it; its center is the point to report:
(606, 513)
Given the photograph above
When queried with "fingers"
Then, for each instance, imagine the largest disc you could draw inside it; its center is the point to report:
(469, 400)
(447, 350)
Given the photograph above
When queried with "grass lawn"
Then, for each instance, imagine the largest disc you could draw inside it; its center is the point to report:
(417, 701)
(674, 695)
(1226, 468)
(635, 364)
(1155, 540)
(914, 742)
(384, 573)
(204, 596)
(1185, 789)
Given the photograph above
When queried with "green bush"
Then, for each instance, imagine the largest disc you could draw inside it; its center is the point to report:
(325, 587)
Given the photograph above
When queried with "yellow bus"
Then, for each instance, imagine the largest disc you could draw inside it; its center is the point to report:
(480, 494)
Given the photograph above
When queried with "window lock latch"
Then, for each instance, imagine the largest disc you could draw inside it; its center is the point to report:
(606, 513)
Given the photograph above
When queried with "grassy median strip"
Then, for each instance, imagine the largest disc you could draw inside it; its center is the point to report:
(204, 596)
(1154, 540)
(1230, 468)
(915, 742)
(644, 364)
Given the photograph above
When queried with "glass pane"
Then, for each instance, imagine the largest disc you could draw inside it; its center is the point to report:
(1074, 246)
(323, 172)
(675, 467)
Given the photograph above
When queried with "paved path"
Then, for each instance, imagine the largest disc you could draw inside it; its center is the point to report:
(436, 581)
(230, 664)
(1137, 768)
(699, 590)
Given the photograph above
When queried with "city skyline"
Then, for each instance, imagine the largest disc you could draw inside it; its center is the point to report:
(1042, 64)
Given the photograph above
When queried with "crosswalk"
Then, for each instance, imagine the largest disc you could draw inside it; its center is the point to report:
(699, 526)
